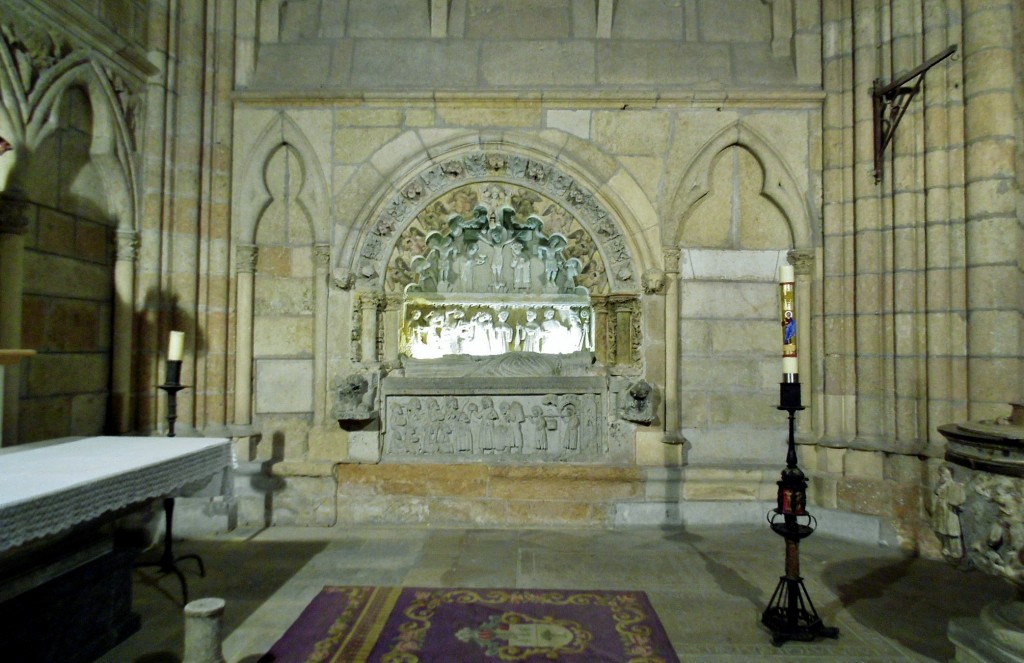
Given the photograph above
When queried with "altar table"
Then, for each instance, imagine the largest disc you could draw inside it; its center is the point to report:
(65, 587)
(47, 488)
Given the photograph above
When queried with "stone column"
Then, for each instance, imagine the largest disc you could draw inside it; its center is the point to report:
(245, 266)
(122, 349)
(322, 272)
(670, 258)
(872, 307)
(13, 224)
(623, 330)
(601, 348)
(993, 230)
(392, 326)
(368, 304)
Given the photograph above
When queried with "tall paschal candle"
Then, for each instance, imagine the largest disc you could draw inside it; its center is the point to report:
(787, 283)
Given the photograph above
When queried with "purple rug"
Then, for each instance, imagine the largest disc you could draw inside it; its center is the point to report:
(381, 624)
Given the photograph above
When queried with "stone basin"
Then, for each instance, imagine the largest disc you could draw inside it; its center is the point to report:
(978, 515)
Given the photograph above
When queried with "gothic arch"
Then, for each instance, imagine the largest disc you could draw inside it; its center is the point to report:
(30, 114)
(779, 187)
(252, 197)
(365, 250)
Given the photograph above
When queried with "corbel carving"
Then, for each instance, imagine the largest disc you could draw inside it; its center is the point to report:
(127, 245)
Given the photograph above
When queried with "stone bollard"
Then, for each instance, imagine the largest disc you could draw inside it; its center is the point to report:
(203, 631)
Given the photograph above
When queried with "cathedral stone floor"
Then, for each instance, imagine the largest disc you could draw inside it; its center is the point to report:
(709, 585)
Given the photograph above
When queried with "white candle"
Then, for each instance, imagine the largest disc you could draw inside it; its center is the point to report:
(176, 346)
(789, 366)
(786, 274)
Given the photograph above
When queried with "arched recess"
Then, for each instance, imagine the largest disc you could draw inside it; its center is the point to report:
(365, 249)
(430, 172)
(252, 197)
(779, 187)
(33, 91)
(782, 191)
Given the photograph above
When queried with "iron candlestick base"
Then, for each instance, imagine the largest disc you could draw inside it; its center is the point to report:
(790, 614)
(168, 563)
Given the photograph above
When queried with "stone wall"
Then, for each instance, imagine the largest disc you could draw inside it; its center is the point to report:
(724, 138)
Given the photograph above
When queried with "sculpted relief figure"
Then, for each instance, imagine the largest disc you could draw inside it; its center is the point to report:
(481, 330)
(949, 500)
(558, 426)
(490, 250)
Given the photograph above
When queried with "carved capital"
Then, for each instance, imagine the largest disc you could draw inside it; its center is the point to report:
(245, 257)
(127, 245)
(670, 258)
(369, 300)
(393, 301)
(802, 261)
(321, 256)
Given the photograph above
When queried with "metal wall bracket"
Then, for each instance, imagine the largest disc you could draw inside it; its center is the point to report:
(890, 102)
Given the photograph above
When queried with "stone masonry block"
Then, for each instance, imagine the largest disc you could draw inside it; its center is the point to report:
(354, 145)
(575, 122)
(527, 19)
(450, 63)
(647, 63)
(864, 464)
(537, 63)
(637, 132)
(651, 450)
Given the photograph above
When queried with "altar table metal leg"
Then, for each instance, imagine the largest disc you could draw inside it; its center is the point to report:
(168, 563)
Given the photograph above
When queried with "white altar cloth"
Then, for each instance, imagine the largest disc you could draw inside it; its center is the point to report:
(48, 488)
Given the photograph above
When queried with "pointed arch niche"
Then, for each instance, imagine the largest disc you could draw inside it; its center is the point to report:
(737, 215)
(71, 110)
(282, 266)
(437, 259)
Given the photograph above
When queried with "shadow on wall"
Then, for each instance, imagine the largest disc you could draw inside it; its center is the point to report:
(159, 315)
(266, 483)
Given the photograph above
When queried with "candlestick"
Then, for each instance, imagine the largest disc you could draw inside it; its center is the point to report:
(176, 346)
(168, 563)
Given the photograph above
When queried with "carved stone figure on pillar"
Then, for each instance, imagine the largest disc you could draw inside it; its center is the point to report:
(356, 397)
(949, 500)
(636, 403)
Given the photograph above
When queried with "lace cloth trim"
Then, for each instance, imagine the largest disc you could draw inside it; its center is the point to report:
(28, 512)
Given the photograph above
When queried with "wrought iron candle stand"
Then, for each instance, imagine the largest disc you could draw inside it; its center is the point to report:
(168, 563)
(790, 614)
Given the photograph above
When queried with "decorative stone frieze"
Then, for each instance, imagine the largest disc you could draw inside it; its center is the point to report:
(498, 419)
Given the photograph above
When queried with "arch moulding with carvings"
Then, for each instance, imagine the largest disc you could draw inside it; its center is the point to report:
(363, 252)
